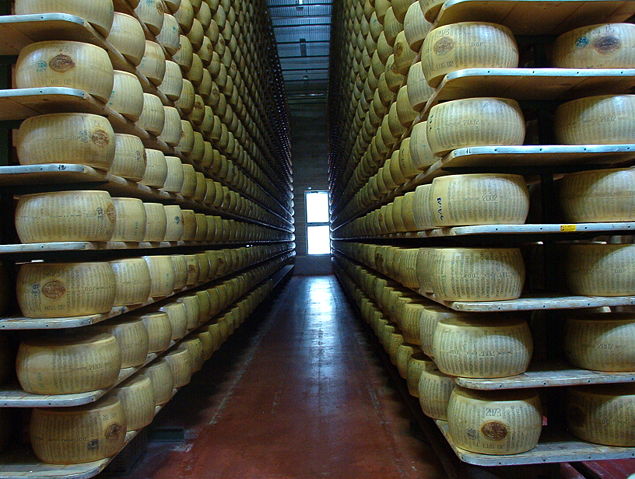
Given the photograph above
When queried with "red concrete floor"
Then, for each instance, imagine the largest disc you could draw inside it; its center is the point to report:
(297, 394)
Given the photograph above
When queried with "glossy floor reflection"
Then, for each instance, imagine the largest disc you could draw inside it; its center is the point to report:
(296, 394)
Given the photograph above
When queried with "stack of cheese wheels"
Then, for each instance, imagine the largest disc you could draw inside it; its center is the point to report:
(132, 281)
(475, 122)
(65, 64)
(98, 13)
(434, 390)
(160, 374)
(606, 45)
(601, 269)
(596, 120)
(68, 364)
(599, 196)
(55, 290)
(477, 199)
(132, 337)
(81, 138)
(482, 347)
(601, 341)
(602, 414)
(494, 422)
(127, 36)
(137, 399)
(78, 434)
(65, 216)
(467, 45)
(477, 274)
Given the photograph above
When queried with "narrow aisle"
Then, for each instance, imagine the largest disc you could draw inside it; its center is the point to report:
(303, 397)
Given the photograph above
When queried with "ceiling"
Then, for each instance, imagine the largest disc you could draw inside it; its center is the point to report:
(303, 32)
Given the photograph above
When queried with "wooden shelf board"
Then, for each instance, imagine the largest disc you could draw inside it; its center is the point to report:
(554, 446)
(536, 17)
(21, 103)
(525, 229)
(538, 302)
(531, 84)
(548, 375)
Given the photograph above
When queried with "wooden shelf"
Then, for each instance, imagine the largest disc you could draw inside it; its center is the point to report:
(525, 229)
(60, 173)
(536, 17)
(509, 159)
(554, 446)
(548, 375)
(542, 84)
(21, 323)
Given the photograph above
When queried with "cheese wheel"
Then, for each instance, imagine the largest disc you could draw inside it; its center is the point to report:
(602, 414)
(201, 227)
(199, 187)
(78, 434)
(189, 180)
(152, 64)
(203, 267)
(175, 178)
(99, 13)
(416, 27)
(184, 54)
(127, 36)
(477, 274)
(601, 269)
(152, 116)
(185, 15)
(174, 217)
(68, 364)
(130, 220)
(168, 37)
(404, 353)
(475, 122)
(172, 83)
(80, 138)
(204, 306)
(161, 275)
(150, 12)
(606, 45)
(195, 348)
(418, 89)
(65, 64)
(601, 342)
(132, 337)
(130, 157)
(420, 152)
(195, 73)
(192, 269)
(596, 120)
(207, 343)
(156, 170)
(429, 318)
(196, 34)
(495, 422)
(180, 271)
(479, 199)
(482, 348)
(599, 196)
(422, 208)
(180, 362)
(434, 390)
(126, 97)
(431, 8)
(189, 225)
(467, 45)
(171, 132)
(177, 314)
(137, 399)
(156, 222)
(160, 375)
(65, 216)
(57, 290)
(132, 279)
(191, 309)
(173, 5)
(159, 331)
(186, 142)
(417, 364)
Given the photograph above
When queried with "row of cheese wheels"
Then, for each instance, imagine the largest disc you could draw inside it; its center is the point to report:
(594, 196)
(498, 422)
(93, 215)
(470, 122)
(58, 290)
(491, 345)
(97, 431)
(89, 139)
(493, 274)
(91, 359)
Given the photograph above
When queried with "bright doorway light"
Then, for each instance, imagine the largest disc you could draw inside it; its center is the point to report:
(317, 219)
(319, 241)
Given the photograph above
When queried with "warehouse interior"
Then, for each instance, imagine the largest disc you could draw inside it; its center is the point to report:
(291, 239)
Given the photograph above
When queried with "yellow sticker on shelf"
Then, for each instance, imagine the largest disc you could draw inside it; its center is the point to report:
(567, 228)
